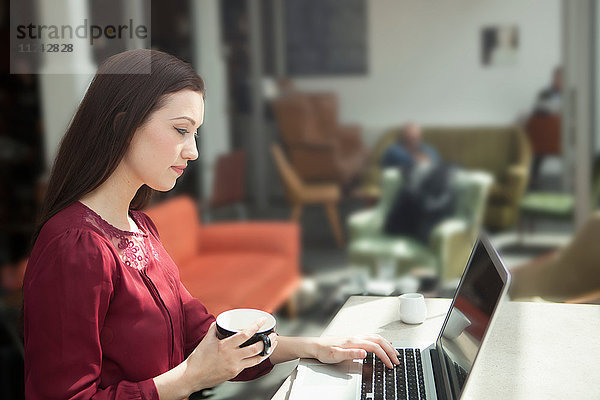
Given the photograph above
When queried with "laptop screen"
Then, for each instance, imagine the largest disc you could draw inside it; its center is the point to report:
(476, 298)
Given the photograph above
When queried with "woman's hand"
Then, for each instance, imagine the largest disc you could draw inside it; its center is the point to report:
(335, 350)
(215, 361)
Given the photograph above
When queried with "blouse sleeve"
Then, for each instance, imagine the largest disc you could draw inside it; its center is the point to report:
(67, 291)
(197, 320)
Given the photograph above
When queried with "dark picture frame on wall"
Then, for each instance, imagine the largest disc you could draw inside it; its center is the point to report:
(326, 37)
(499, 45)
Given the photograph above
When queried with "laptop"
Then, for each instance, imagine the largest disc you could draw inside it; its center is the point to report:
(438, 370)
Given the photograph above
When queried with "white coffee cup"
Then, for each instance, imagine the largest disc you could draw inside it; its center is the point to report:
(412, 308)
(234, 321)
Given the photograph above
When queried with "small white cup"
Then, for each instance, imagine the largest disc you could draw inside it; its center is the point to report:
(412, 308)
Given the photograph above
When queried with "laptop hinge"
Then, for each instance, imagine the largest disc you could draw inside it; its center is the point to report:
(438, 376)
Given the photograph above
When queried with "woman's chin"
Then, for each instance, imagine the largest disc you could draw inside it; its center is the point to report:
(163, 188)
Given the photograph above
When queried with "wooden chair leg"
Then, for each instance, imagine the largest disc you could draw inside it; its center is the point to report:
(334, 221)
(296, 212)
(291, 307)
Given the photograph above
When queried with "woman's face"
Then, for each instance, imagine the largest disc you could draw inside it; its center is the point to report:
(162, 147)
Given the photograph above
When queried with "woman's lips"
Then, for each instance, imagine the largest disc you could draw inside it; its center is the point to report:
(179, 170)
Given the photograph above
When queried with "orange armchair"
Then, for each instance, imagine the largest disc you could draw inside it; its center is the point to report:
(230, 265)
(320, 148)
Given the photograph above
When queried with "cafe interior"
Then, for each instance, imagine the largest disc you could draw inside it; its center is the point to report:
(295, 203)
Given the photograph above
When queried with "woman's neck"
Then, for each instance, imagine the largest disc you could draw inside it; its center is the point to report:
(111, 200)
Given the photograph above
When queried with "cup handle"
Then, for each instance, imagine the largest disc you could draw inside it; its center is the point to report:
(267, 345)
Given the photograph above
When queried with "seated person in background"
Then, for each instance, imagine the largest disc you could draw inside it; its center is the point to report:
(409, 150)
(549, 99)
(425, 198)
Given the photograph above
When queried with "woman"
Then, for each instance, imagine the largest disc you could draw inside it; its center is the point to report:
(105, 314)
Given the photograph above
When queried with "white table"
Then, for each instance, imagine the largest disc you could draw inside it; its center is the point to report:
(535, 350)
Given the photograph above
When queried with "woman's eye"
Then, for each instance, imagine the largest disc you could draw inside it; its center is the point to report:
(183, 131)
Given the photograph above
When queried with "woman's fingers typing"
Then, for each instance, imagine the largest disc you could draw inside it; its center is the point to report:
(380, 347)
(349, 354)
(356, 347)
(373, 347)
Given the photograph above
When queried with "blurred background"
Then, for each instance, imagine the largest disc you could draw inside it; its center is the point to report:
(313, 110)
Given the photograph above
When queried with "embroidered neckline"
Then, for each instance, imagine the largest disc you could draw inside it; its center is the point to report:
(134, 248)
(113, 229)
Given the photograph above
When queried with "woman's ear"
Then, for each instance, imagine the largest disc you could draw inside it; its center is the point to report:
(118, 120)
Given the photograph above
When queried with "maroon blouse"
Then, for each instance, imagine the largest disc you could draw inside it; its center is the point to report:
(105, 311)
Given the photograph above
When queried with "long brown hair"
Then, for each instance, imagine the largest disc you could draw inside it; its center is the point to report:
(114, 106)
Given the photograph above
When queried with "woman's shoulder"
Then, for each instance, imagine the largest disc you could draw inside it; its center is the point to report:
(69, 227)
(67, 243)
(72, 216)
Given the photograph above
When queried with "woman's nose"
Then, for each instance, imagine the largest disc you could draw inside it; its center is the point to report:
(190, 151)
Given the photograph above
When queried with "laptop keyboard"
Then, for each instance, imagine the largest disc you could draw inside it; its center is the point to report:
(404, 381)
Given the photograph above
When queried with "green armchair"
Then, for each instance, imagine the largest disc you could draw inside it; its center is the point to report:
(450, 242)
(559, 205)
